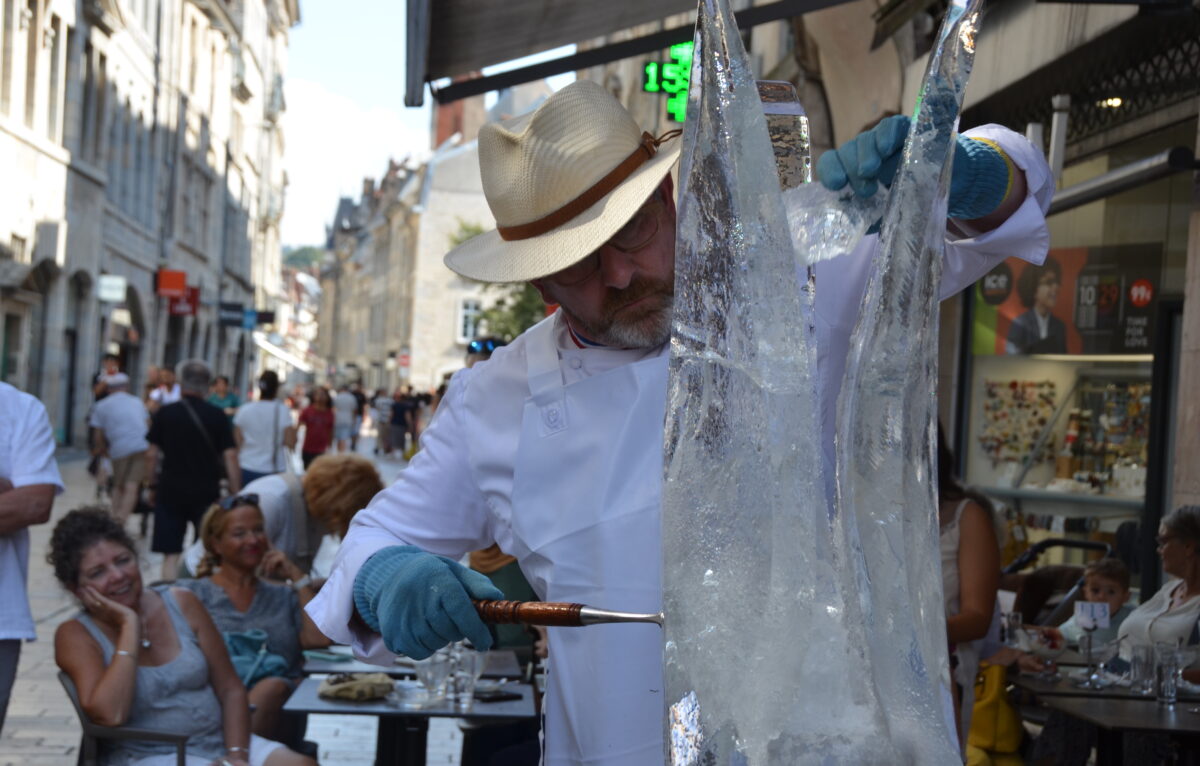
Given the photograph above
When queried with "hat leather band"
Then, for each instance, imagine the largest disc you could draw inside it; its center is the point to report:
(645, 151)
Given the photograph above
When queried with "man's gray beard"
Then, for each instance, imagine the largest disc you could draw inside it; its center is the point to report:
(648, 332)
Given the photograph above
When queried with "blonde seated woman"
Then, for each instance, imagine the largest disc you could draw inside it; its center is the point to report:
(228, 585)
(148, 658)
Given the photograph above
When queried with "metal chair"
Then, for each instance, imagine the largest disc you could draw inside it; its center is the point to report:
(93, 732)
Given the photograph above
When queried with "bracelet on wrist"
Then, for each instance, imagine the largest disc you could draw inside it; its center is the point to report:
(237, 750)
(303, 582)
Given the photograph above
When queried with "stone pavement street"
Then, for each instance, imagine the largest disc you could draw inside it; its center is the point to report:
(41, 728)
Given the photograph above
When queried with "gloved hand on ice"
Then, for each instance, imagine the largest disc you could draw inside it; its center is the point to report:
(981, 177)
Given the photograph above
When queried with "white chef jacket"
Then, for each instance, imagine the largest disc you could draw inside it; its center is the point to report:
(450, 502)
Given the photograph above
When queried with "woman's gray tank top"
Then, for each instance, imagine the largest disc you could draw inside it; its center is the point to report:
(174, 697)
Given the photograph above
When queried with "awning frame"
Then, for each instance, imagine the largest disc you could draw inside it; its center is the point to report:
(419, 42)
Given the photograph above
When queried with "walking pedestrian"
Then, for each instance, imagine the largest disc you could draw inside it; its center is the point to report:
(121, 422)
(224, 398)
(382, 409)
(99, 466)
(401, 418)
(166, 392)
(360, 412)
(344, 405)
(264, 432)
(198, 451)
(29, 480)
(317, 419)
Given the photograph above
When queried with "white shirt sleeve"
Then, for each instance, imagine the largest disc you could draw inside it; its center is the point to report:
(34, 462)
(435, 505)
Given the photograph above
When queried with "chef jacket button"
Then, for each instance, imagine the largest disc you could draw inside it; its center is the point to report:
(576, 363)
(552, 416)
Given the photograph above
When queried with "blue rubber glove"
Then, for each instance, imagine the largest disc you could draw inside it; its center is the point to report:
(979, 181)
(420, 602)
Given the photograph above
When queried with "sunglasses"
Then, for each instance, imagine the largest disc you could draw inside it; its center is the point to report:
(483, 346)
(234, 501)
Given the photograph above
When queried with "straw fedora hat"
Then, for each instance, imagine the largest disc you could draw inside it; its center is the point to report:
(560, 181)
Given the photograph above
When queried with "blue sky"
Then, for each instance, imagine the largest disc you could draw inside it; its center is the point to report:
(345, 107)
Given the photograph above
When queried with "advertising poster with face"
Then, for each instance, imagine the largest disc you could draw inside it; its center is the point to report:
(1087, 300)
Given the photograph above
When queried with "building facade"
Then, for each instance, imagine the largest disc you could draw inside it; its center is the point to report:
(144, 141)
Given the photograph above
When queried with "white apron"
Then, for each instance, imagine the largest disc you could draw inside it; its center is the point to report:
(586, 506)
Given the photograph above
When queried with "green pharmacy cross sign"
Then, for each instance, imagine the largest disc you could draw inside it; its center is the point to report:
(671, 77)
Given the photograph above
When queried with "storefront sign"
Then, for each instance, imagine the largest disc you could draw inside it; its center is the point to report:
(1094, 300)
(265, 317)
(172, 284)
(186, 306)
(249, 319)
(111, 288)
(230, 314)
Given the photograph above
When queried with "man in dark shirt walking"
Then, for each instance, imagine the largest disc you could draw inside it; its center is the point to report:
(196, 442)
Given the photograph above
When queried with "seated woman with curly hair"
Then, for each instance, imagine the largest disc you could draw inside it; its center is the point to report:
(235, 551)
(148, 657)
(299, 510)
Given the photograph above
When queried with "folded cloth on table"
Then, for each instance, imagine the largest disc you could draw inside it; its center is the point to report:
(355, 686)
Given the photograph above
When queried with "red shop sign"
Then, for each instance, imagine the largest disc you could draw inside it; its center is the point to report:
(172, 284)
(186, 306)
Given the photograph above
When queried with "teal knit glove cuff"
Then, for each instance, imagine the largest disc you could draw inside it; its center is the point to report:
(375, 573)
(981, 179)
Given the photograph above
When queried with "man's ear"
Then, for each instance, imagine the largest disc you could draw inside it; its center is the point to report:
(543, 290)
(666, 191)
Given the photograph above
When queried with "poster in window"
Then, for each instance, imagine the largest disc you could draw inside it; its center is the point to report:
(1084, 300)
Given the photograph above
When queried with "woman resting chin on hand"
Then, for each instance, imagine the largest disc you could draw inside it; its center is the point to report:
(150, 659)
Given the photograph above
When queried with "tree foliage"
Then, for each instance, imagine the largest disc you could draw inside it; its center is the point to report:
(520, 308)
(466, 230)
(303, 257)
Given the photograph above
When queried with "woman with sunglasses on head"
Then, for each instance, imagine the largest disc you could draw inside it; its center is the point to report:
(236, 552)
(149, 658)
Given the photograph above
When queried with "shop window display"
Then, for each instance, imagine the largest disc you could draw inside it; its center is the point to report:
(1058, 396)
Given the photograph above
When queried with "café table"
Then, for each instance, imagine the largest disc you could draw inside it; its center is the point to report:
(403, 731)
(1065, 687)
(1112, 717)
(500, 663)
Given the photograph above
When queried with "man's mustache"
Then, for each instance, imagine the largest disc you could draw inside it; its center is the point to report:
(617, 299)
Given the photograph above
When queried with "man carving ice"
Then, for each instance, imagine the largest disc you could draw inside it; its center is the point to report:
(553, 448)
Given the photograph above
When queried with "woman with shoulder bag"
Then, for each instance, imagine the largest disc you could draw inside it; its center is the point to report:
(264, 431)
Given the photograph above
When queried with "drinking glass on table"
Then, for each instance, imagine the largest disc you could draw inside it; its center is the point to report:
(1166, 673)
(468, 666)
(1049, 647)
(434, 673)
(1141, 671)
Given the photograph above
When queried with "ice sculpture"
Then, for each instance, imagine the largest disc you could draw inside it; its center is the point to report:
(825, 224)
(757, 621)
(887, 493)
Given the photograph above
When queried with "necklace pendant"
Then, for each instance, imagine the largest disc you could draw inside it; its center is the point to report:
(145, 643)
